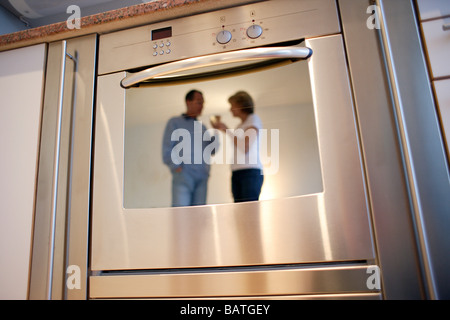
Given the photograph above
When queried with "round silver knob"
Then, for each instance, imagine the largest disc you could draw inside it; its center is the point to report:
(255, 31)
(224, 37)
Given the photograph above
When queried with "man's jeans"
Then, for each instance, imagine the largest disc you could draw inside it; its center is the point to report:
(188, 190)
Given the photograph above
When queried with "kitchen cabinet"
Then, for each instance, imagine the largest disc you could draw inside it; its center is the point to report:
(437, 41)
(442, 89)
(434, 19)
(63, 181)
(21, 88)
(430, 9)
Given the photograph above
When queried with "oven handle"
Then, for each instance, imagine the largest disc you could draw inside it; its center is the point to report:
(255, 54)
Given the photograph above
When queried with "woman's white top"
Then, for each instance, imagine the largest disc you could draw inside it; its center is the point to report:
(249, 128)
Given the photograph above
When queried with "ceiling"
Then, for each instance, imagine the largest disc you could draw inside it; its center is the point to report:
(36, 13)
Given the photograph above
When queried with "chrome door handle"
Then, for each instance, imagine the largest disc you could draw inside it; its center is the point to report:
(446, 27)
(57, 153)
(255, 54)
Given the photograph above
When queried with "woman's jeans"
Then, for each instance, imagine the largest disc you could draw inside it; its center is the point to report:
(246, 184)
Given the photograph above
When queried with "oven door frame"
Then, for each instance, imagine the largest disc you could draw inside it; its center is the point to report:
(328, 227)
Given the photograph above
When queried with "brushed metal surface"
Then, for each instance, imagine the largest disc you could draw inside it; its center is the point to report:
(336, 296)
(425, 161)
(71, 220)
(328, 226)
(218, 59)
(390, 208)
(79, 191)
(257, 283)
(286, 20)
(40, 279)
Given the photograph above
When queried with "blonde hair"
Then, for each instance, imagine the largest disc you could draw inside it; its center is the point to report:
(244, 100)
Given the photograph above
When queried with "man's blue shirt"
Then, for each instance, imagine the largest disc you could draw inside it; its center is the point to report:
(193, 162)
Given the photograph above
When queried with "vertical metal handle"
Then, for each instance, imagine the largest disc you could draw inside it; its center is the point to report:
(57, 152)
(70, 175)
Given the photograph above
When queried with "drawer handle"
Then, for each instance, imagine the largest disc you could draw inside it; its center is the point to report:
(446, 27)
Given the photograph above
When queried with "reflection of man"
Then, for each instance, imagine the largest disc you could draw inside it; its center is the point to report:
(190, 172)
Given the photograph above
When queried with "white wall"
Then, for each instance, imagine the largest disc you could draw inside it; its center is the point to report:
(148, 180)
(9, 23)
(21, 86)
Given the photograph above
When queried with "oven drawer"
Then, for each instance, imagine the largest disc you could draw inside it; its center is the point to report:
(354, 280)
(437, 41)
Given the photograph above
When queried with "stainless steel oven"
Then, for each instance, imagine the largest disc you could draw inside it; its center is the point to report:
(354, 202)
(312, 221)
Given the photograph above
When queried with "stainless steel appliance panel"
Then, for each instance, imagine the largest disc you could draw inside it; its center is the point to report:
(329, 226)
(395, 240)
(293, 282)
(61, 229)
(425, 160)
(284, 21)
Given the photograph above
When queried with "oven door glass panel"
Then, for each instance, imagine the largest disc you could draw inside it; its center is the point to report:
(289, 149)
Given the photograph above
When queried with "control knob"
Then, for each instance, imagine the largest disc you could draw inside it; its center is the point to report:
(255, 31)
(224, 37)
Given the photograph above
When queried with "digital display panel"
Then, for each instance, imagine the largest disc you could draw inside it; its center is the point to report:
(161, 33)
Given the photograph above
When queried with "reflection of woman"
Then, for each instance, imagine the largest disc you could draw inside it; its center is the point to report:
(247, 175)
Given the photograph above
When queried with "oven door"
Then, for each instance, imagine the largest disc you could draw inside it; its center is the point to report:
(313, 209)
